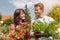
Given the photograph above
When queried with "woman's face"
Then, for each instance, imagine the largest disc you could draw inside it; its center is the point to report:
(22, 15)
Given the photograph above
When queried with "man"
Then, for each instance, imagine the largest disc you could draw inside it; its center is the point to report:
(39, 11)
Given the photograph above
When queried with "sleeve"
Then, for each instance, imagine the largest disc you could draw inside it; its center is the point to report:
(31, 31)
(50, 19)
(12, 27)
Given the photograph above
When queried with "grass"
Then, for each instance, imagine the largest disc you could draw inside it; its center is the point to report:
(56, 39)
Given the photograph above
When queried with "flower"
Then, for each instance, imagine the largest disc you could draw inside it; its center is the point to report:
(1, 22)
(21, 31)
(11, 35)
(25, 23)
(19, 28)
(19, 37)
(25, 31)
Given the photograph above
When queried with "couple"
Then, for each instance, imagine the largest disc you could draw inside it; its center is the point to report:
(19, 16)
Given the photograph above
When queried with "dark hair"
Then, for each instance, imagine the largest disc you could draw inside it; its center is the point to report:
(41, 5)
(16, 16)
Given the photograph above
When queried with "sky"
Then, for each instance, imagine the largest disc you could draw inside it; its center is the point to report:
(7, 7)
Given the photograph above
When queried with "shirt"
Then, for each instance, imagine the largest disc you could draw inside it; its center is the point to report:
(45, 19)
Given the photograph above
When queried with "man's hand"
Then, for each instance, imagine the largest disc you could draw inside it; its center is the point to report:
(37, 34)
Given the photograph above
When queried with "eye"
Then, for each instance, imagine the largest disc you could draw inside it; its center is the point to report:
(36, 10)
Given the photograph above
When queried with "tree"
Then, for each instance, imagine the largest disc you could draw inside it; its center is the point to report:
(27, 16)
(55, 12)
(0, 16)
(8, 21)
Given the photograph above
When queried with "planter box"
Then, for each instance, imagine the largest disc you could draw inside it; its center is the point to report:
(45, 38)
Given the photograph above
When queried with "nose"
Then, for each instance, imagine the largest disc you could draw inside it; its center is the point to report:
(23, 15)
(35, 11)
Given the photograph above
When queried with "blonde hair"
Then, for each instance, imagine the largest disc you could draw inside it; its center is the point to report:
(41, 5)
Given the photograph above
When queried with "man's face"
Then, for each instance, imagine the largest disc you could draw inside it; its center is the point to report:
(38, 11)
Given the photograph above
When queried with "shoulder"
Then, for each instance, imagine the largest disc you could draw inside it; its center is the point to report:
(49, 18)
(34, 21)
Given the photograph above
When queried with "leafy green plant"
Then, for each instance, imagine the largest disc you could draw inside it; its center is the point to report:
(38, 26)
(6, 38)
(51, 29)
(5, 29)
(0, 16)
(47, 29)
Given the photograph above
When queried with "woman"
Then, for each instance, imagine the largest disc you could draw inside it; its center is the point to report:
(19, 19)
(19, 16)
